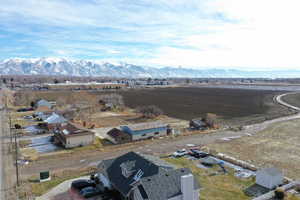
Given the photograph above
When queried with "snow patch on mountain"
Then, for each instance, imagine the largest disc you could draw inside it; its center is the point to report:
(61, 66)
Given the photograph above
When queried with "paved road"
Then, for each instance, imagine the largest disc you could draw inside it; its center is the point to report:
(7, 168)
(156, 147)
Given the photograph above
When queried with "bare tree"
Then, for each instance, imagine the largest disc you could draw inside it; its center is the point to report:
(211, 120)
(115, 100)
(151, 111)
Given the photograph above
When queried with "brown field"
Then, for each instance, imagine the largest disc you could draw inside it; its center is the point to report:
(277, 146)
(235, 106)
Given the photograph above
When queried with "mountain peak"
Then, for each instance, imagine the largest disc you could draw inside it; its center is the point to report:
(62, 66)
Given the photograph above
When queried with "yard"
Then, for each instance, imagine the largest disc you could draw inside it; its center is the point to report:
(33, 188)
(276, 146)
(216, 187)
(220, 186)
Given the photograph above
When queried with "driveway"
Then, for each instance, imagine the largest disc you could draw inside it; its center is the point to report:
(62, 191)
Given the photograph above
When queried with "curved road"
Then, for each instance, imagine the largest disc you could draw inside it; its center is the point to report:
(280, 101)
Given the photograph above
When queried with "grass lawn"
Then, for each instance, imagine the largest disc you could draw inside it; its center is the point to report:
(32, 186)
(18, 118)
(218, 187)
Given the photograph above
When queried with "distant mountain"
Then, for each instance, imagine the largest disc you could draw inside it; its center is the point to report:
(59, 66)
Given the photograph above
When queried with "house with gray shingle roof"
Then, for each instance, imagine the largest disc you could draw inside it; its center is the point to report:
(139, 177)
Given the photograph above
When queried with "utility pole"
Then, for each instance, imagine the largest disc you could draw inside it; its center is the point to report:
(16, 150)
(10, 133)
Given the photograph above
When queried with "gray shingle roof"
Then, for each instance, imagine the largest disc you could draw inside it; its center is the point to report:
(159, 181)
(272, 171)
(166, 184)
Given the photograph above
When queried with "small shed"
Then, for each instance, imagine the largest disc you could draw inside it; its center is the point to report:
(117, 136)
(269, 177)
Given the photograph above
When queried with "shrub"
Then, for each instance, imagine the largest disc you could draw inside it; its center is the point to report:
(149, 111)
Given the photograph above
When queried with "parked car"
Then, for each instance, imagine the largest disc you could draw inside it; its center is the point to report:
(82, 183)
(24, 109)
(197, 153)
(89, 192)
(28, 117)
(180, 153)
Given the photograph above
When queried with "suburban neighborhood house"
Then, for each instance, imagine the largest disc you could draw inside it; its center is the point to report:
(145, 130)
(53, 120)
(70, 136)
(43, 105)
(144, 177)
(269, 178)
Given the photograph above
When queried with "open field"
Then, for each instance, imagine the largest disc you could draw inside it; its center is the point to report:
(278, 145)
(235, 106)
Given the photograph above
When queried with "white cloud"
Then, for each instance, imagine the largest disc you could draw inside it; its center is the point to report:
(245, 34)
(266, 36)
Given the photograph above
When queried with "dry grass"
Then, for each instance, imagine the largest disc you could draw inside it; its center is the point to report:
(32, 187)
(24, 143)
(277, 146)
(29, 154)
(218, 187)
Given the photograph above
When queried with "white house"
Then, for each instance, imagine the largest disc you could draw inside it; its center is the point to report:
(269, 177)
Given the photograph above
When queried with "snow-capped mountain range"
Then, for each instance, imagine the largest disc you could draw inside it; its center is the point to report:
(60, 66)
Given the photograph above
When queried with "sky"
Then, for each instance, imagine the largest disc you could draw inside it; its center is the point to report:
(235, 34)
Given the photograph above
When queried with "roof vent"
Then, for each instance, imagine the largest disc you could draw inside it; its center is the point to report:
(182, 170)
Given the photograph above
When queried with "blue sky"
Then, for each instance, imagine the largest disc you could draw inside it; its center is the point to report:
(248, 34)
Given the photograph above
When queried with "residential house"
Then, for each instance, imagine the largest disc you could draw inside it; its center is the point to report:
(70, 135)
(117, 136)
(198, 124)
(146, 130)
(54, 120)
(43, 105)
(144, 177)
(269, 177)
(41, 116)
